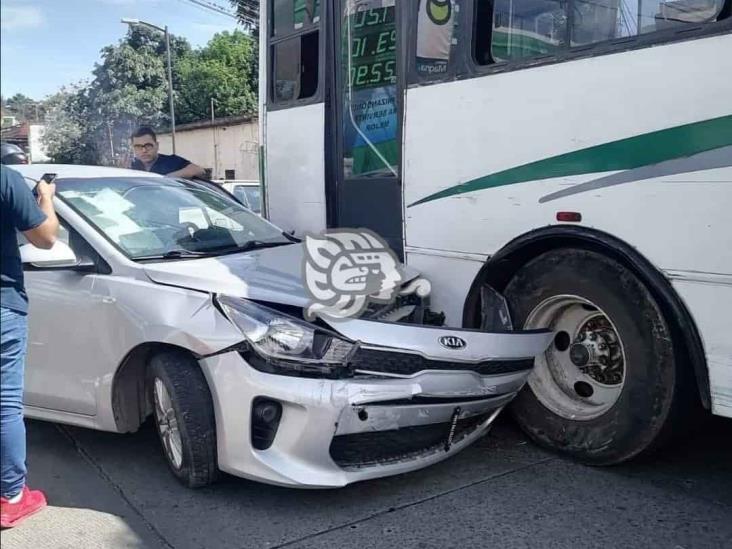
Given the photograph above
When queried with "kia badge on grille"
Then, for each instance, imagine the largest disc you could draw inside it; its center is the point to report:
(453, 342)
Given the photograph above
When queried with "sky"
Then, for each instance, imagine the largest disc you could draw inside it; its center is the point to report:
(46, 44)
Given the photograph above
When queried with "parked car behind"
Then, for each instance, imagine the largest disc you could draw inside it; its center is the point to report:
(165, 298)
(246, 192)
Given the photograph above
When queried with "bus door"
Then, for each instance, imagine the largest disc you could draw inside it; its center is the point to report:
(365, 137)
(293, 96)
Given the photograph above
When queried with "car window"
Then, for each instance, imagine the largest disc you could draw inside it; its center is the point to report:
(252, 197)
(63, 235)
(75, 241)
(153, 216)
(241, 195)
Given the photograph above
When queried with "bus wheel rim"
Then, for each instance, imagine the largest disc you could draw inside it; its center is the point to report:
(582, 373)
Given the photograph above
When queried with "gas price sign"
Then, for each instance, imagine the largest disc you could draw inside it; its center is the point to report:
(372, 51)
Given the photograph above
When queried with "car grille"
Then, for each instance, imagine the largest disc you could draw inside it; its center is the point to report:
(383, 447)
(388, 362)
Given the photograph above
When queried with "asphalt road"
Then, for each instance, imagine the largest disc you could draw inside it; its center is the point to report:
(110, 490)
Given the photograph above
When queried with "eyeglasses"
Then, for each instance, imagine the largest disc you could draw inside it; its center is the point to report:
(147, 147)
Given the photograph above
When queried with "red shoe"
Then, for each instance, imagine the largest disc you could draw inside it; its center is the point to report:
(12, 514)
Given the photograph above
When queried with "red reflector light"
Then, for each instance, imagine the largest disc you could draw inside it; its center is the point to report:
(569, 217)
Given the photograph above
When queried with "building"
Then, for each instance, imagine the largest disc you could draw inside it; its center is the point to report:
(28, 137)
(228, 148)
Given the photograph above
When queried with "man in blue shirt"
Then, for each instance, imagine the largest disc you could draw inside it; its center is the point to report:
(147, 158)
(19, 211)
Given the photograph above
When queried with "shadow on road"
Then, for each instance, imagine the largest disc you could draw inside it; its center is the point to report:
(124, 480)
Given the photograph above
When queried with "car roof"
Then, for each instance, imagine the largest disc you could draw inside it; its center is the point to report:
(36, 171)
(242, 182)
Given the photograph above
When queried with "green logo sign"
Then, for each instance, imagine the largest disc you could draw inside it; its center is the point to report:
(439, 12)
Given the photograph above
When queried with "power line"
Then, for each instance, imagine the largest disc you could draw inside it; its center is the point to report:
(212, 7)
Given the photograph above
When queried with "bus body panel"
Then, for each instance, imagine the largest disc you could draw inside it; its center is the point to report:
(506, 150)
(675, 211)
(709, 300)
(295, 168)
(450, 275)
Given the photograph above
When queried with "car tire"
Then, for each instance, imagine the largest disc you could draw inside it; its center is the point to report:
(620, 410)
(184, 417)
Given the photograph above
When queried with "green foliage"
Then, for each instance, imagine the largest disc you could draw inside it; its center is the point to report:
(66, 138)
(221, 71)
(22, 107)
(92, 123)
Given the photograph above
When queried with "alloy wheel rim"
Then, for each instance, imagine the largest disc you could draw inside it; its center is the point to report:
(167, 423)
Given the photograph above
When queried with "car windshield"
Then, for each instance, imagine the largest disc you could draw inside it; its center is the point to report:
(162, 217)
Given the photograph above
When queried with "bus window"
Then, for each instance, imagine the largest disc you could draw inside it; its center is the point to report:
(436, 36)
(369, 89)
(599, 20)
(294, 15)
(527, 28)
(507, 30)
(295, 67)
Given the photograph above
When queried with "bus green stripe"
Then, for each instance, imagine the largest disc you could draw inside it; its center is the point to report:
(633, 152)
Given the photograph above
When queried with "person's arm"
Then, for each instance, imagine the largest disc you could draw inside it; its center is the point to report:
(188, 172)
(44, 235)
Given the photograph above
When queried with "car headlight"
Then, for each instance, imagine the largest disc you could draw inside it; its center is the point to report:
(287, 345)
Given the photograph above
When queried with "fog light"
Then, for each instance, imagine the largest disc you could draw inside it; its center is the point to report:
(266, 414)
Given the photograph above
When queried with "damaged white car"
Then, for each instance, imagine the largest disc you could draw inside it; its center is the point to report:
(167, 298)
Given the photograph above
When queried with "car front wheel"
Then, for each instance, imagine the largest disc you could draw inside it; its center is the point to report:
(184, 416)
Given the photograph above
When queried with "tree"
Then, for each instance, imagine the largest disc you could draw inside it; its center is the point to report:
(221, 71)
(130, 88)
(91, 123)
(248, 13)
(22, 107)
(66, 138)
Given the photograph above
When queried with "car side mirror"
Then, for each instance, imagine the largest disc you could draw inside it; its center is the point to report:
(59, 256)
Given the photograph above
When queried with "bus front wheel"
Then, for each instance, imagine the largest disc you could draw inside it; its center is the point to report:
(606, 389)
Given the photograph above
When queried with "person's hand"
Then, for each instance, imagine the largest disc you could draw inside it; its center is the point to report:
(45, 190)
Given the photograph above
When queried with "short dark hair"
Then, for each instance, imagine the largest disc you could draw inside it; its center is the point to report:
(143, 131)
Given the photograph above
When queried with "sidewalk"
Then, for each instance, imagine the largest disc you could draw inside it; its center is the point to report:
(84, 510)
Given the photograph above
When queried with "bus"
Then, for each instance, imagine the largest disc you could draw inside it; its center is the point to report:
(573, 155)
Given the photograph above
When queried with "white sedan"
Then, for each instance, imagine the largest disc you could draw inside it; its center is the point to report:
(165, 297)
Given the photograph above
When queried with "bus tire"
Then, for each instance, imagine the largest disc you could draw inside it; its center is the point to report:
(600, 414)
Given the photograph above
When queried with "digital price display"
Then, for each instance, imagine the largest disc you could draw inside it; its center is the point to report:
(372, 51)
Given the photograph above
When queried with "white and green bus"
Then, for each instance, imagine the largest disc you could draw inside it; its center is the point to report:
(573, 155)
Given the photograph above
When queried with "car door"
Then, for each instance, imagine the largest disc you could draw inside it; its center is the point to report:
(62, 336)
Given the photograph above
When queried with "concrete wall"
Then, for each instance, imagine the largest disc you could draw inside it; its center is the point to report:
(220, 148)
(36, 148)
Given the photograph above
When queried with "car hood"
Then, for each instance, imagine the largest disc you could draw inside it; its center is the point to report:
(270, 274)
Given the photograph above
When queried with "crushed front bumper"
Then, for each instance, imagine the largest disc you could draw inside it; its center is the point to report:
(411, 403)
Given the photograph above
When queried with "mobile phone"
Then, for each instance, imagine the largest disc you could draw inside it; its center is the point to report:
(46, 177)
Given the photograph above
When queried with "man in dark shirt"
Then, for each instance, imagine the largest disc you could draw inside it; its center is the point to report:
(37, 221)
(147, 158)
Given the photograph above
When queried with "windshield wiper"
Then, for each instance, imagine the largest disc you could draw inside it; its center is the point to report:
(250, 245)
(176, 254)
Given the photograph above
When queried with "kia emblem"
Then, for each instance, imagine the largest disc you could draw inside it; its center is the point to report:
(453, 342)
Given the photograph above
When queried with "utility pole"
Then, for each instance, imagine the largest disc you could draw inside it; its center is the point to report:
(164, 30)
(170, 88)
(215, 146)
(111, 142)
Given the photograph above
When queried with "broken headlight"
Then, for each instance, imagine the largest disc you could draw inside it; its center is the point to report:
(282, 344)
